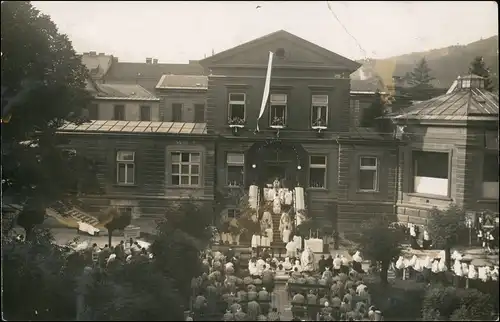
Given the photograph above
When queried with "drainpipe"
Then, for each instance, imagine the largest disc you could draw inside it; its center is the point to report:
(396, 185)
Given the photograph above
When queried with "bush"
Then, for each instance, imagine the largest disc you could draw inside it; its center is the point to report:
(450, 303)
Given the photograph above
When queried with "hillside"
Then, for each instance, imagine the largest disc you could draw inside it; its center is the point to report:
(446, 63)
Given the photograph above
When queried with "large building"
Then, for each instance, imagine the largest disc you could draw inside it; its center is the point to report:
(203, 138)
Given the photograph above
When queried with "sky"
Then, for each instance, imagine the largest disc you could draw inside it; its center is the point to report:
(177, 31)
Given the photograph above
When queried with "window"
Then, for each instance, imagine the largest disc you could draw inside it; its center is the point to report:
(119, 113)
(236, 111)
(185, 168)
(319, 113)
(277, 109)
(430, 173)
(490, 176)
(93, 111)
(356, 111)
(125, 167)
(368, 175)
(199, 113)
(235, 169)
(233, 213)
(176, 112)
(145, 113)
(317, 171)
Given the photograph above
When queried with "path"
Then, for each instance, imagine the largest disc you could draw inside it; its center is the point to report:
(281, 301)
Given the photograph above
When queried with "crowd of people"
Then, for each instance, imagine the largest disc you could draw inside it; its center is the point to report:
(225, 291)
(334, 292)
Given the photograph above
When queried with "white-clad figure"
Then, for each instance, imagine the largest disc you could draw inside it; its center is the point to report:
(284, 221)
(472, 272)
(357, 257)
(269, 234)
(307, 260)
(494, 274)
(285, 235)
(400, 263)
(276, 205)
(435, 266)
(256, 241)
(291, 249)
(465, 269)
(442, 265)
(428, 262)
(297, 266)
(481, 273)
(252, 268)
(299, 217)
(418, 266)
(344, 260)
(288, 198)
(265, 220)
(413, 261)
(457, 268)
(286, 264)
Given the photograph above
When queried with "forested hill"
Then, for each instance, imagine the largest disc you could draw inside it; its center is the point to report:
(446, 63)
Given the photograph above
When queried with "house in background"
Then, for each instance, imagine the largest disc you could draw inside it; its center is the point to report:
(452, 152)
(97, 64)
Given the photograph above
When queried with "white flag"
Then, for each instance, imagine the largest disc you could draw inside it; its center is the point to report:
(266, 88)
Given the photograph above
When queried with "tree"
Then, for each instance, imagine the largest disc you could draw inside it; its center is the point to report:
(420, 76)
(115, 220)
(182, 234)
(43, 86)
(478, 67)
(381, 243)
(370, 115)
(444, 228)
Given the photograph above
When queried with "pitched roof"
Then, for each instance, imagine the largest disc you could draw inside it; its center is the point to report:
(366, 86)
(98, 65)
(352, 65)
(195, 82)
(101, 126)
(123, 92)
(133, 71)
(459, 105)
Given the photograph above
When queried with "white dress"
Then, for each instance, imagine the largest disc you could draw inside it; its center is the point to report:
(286, 235)
(269, 233)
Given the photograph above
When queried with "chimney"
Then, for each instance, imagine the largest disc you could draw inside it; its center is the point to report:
(92, 53)
(149, 60)
(155, 61)
(102, 54)
(115, 59)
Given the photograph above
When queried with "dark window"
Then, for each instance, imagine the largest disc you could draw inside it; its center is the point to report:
(317, 171)
(236, 113)
(430, 164)
(145, 113)
(233, 213)
(176, 112)
(368, 174)
(199, 113)
(490, 168)
(185, 169)
(319, 110)
(119, 113)
(235, 169)
(93, 111)
(277, 109)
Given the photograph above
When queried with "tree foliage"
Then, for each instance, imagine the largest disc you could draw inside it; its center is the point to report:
(444, 228)
(114, 219)
(452, 304)
(43, 86)
(381, 243)
(421, 75)
(377, 109)
(478, 67)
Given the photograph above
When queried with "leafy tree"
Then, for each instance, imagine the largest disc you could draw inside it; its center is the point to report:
(478, 67)
(374, 111)
(380, 243)
(43, 86)
(444, 228)
(115, 220)
(181, 235)
(37, 283)
(133, 292)
(420, 76)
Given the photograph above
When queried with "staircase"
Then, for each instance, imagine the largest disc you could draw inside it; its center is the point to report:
(66, 210)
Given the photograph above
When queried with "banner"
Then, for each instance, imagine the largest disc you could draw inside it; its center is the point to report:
(265, 95)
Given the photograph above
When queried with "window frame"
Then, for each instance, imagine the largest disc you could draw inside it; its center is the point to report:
(278, 103)
(234, 164)
(203, 112)
(317, 106)
(150, 113)
(115, 109)
(173, 111)
(413, 171)
(236, 213)
(235, 102)
(180, 173)
(127, 163)
(318, 166)
(369, 168)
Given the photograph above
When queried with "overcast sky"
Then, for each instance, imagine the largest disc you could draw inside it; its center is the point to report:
(179, 31)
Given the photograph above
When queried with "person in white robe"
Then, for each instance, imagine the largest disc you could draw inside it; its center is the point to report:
(337, 265)
(284, 221)
(291, 249)
(285, 235)
(260, 265)
(399, 267)
(297, 266)
(357, 261)
(307, 260)
(286, 264)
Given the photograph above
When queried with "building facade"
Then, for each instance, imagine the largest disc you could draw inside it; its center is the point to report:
(451, 152)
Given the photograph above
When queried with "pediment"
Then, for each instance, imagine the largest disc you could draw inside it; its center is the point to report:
(296, 52)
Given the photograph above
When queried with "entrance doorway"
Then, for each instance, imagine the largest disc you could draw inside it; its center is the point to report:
(280, 170)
